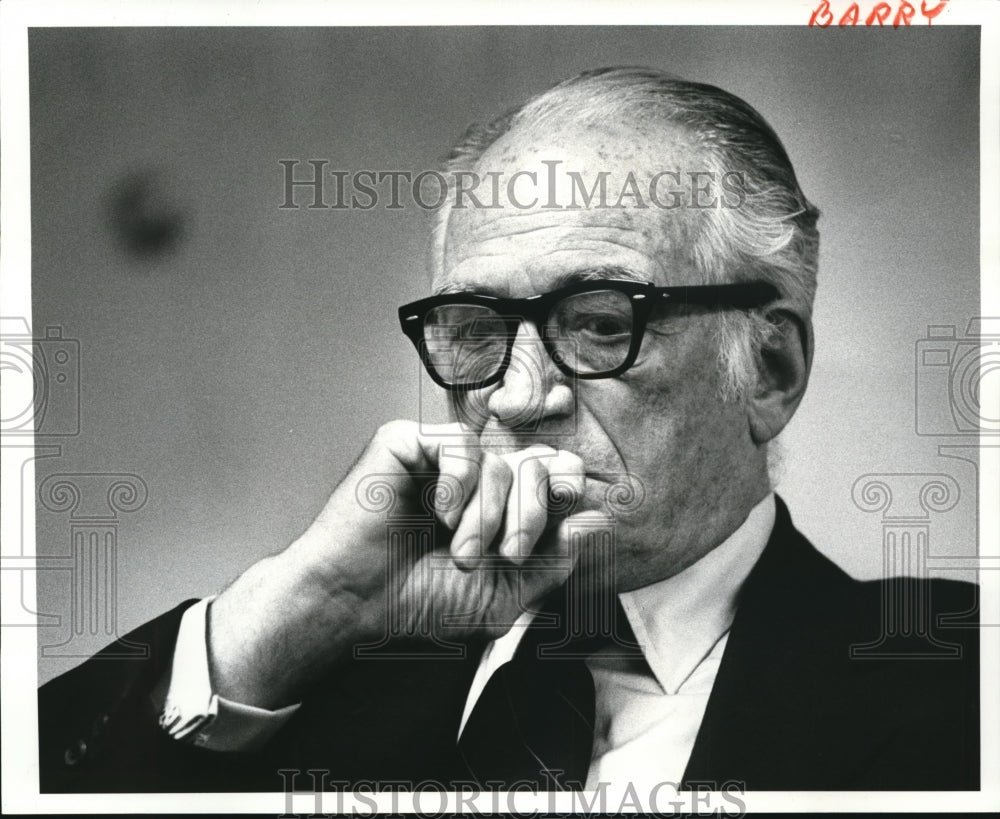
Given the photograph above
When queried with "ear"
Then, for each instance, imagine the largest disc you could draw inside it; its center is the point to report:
(782, 373)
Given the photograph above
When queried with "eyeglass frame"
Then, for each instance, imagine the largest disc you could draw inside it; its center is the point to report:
(536, 309)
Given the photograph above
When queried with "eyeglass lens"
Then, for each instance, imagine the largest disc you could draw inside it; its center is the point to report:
(589, 332)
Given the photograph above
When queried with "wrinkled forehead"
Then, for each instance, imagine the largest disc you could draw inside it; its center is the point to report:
(539, 202)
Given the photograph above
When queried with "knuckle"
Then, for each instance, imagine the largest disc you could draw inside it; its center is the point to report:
(491, 463)
(393, 430)
(532, 464)
(571, 460)
(461, 462)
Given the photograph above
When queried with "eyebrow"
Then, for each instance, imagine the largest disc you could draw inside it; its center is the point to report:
(587, 274)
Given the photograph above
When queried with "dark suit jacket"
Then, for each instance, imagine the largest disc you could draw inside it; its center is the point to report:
(791, 708)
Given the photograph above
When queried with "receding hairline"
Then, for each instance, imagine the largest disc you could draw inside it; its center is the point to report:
(525, 146)
(771, 235)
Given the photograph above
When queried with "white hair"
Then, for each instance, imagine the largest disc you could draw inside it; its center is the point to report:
(771, 236)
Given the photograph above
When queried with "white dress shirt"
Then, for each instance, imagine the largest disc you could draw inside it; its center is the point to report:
(647, 713)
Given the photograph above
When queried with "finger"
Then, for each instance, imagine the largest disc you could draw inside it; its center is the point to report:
(563, 554)
(455, 454)
(574, 547)
(527, 509)
(484, 515)
(457, 484)
(566, 484)
(585, 541)
(408, 447)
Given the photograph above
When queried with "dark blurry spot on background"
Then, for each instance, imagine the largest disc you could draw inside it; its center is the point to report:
(144, 215)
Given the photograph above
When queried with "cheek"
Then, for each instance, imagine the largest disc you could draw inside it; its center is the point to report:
(639, 418)
(663, 414)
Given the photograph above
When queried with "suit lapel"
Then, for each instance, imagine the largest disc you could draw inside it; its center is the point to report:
(787, 707)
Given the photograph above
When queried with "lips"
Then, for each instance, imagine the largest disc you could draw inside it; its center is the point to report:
(609, 490)
(610, 493)
(615, 493)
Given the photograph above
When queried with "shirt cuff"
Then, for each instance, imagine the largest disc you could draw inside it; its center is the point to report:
(193, 713)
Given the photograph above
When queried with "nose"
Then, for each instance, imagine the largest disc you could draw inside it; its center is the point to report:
(532, 388)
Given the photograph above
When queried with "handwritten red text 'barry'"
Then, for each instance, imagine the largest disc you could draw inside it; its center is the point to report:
(879, 15)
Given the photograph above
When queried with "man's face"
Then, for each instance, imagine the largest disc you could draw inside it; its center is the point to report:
(662, 422)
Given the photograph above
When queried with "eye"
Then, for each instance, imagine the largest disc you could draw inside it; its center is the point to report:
(595, 317)
(606, 325)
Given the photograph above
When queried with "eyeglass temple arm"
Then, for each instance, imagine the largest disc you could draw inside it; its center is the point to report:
(743, 294)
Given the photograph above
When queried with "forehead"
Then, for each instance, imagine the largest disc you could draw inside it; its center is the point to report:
(552, 205)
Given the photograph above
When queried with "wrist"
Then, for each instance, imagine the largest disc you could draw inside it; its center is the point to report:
(276, 630)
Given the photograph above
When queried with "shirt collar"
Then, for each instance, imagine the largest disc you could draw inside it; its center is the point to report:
(677, 621)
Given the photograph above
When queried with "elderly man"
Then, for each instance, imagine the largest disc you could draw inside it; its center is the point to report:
(586, 577)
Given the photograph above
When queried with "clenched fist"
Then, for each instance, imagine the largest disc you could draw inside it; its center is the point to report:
(500, 541)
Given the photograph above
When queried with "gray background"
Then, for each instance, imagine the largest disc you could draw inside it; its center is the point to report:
(239, 365)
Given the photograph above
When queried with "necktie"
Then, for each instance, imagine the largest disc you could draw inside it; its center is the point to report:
(534, 721)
